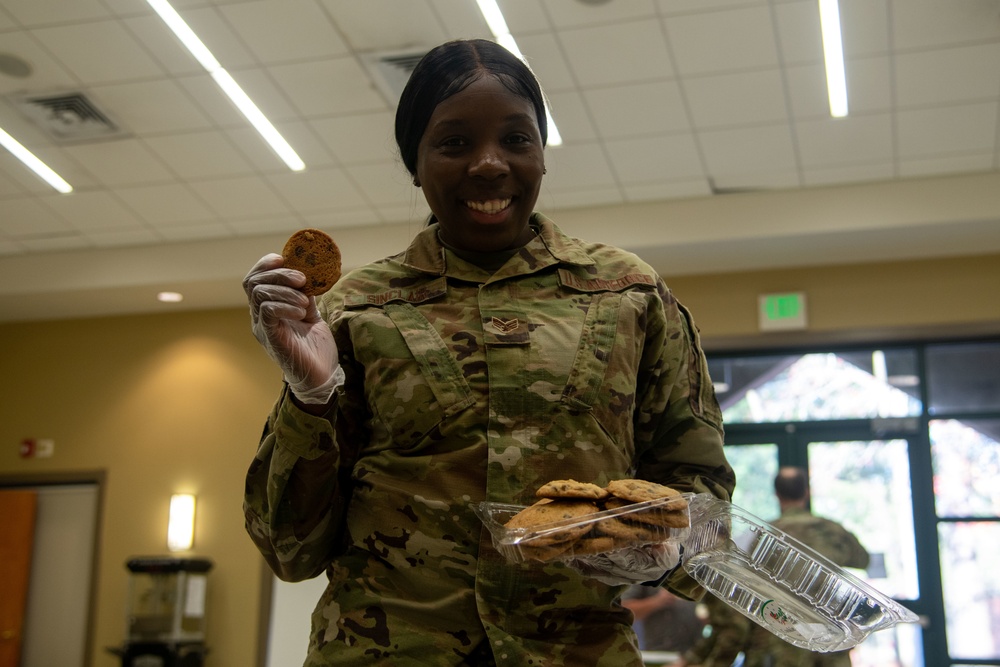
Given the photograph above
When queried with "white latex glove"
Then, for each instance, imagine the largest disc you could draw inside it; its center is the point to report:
(633, 565)
(288, 325)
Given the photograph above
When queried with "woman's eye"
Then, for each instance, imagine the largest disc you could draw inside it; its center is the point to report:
(452, 141)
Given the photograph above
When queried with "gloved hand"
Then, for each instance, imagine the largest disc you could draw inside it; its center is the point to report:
(633, 565)
(288, 325)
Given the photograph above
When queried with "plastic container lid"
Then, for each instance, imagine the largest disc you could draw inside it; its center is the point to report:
(780, 583)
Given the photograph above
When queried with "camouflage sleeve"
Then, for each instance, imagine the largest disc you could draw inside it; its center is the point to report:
(679, 434)
(294, 501)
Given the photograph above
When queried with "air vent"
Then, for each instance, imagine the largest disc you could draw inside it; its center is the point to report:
(391, 71)
(69, 117)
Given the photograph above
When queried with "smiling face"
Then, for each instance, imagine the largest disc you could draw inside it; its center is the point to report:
(480, 164)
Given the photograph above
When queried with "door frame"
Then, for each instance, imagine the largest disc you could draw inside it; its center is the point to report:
(98, 479)
(792, 440)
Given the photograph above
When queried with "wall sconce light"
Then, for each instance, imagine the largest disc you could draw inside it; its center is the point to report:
(180, 530)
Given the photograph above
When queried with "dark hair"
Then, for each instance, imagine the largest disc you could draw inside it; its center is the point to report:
(448, 69)
(791, 484)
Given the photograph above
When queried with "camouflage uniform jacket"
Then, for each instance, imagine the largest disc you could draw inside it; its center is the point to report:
(838, 544)
(572, 360)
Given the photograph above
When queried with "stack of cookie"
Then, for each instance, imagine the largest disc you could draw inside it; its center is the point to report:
(579, 518)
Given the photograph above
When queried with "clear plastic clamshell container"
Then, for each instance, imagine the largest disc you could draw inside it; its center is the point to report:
(780, 583)
(663, 520)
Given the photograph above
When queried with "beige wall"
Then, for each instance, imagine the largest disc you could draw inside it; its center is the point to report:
(169, 403)
(163, 404)
(903, 300)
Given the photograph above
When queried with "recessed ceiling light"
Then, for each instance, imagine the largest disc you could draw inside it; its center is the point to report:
(170, 297)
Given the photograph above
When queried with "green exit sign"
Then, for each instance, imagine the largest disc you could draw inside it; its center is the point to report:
(780, 312)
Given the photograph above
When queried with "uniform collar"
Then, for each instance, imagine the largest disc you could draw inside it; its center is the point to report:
(551, 246)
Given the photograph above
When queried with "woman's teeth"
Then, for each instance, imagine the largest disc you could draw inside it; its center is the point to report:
(491, 206)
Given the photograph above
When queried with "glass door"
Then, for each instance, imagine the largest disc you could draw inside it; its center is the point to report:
(860, 481)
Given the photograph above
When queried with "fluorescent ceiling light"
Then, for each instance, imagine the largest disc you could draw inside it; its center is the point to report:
(228, 85)
(33, 163)
(833, 54)
(498, 26)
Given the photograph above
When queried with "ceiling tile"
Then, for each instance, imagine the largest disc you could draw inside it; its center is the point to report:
(801, 39)
(869, 88)
(241, 197)
(864, 27)
(696, 6)
(31, 13)
(210, 98)
(525, 17)
(947, 130)
(357, 139)
(572, 117)
(120, 57)
(318, 189)
(29, 218)
(652, 108)
(655, 159)
(47, 74)
(171, 204)
(94, 211)
(918, 24)
(284, 30)
(461, 19)
(577, 167)
(723, 41)
(841, 141)
(121, 162)
(577, 14)
(545, 56)
(617, 54)
(385, 184)
(736, 99)
(366, 28)
(151, 106)
(748, 151)
(196, 155)
(266, 93)
(162, 45)
(324, 87)
(933, 77)
(218, 37)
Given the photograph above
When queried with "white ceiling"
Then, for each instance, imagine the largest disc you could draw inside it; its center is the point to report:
(665, 107)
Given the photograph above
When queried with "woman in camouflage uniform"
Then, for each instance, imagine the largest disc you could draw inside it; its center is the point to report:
(492, 355)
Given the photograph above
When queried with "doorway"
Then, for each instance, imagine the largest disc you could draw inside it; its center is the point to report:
(902, 445)
(60, 599)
